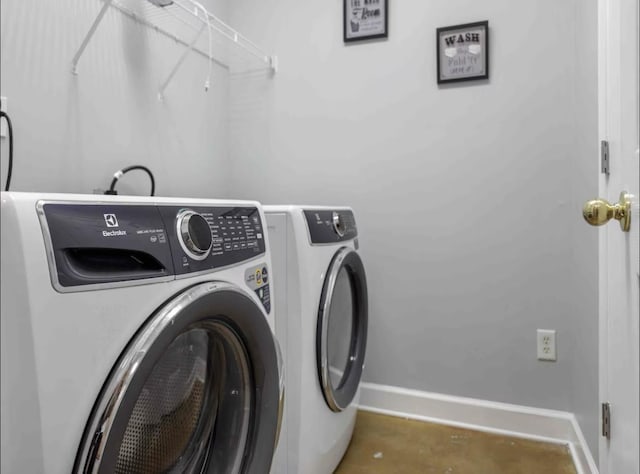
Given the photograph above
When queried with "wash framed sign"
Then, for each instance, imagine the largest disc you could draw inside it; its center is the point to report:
(463, 52)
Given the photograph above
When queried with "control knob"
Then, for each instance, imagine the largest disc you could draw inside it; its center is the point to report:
(194, 234)
(338, 225)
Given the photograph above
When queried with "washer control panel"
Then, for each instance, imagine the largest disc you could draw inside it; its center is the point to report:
(203, 238)
(108, 244)
(330, 226)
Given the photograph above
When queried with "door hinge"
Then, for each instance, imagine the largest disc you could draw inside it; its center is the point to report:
(604, 157)
(606, 420)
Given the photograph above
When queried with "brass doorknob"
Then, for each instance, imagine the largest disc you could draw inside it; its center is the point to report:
(600, 211)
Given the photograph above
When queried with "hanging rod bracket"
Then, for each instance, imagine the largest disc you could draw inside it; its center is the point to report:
(89, 35)
(173, 72)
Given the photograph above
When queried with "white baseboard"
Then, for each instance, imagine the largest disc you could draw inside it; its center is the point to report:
(513, 420)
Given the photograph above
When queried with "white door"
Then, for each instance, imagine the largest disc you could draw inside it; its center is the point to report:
(619, 260)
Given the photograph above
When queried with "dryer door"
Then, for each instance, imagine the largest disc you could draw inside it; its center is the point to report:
(342, 329)
(195, 391)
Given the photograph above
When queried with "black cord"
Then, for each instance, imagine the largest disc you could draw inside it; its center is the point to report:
(10, 168)
(118, 174)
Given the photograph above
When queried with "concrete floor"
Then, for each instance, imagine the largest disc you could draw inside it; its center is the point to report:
(385, 444)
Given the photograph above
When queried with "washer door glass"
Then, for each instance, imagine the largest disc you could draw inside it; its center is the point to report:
(342, 329)
(165, 430)
(170, 427)
(196, 391)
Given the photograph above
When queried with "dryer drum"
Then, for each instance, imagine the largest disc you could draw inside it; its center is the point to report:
(196, 391)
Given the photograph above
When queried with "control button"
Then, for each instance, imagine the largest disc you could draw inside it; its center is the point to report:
(265, 275)
(194, 234)
(258, 277)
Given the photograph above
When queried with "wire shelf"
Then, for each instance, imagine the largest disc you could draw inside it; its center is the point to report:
(189, 23)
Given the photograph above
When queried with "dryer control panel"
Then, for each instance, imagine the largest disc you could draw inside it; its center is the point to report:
(98, 244)
(328, 227)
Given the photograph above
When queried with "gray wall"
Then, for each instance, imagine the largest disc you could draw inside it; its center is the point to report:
(468, 197)
(73, 132)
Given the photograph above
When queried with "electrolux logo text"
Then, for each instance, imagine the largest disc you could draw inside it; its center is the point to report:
(112, 221)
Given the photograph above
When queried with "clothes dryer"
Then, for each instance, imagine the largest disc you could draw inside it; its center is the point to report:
(137, 336)
(321, 324)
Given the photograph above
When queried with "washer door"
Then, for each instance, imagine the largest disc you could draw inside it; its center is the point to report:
(196, 391)
(342, 329)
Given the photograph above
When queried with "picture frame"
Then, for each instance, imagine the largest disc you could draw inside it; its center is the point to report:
(462, 52)
(365, 19)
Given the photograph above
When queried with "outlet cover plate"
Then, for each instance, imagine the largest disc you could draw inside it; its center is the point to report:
(546, 344)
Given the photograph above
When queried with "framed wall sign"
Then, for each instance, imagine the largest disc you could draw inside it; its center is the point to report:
(463, 52)
(365, 19)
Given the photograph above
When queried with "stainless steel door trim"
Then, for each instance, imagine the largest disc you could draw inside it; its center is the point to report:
(162, 324)
(281, 386)
(92, 451)
(339, 399)
(323, 315)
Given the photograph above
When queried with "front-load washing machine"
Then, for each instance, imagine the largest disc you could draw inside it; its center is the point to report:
(321, 324)
(137, 336)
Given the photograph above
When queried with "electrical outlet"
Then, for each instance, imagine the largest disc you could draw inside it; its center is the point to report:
(546, 344)
(3, 122)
